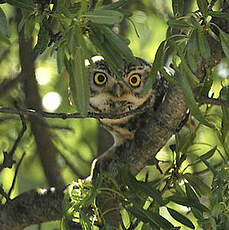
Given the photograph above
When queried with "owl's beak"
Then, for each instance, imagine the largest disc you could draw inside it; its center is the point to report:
(118, 89)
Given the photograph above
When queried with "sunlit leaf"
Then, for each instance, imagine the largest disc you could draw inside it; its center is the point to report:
(180, 218)
(196, 183)
(208, 154)
(105, 17)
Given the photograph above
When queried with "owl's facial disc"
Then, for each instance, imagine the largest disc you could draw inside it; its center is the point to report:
(111, 95)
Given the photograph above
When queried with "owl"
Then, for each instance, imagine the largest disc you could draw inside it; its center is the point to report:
(112, 94)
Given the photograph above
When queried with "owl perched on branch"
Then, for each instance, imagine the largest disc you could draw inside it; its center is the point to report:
(112, 94)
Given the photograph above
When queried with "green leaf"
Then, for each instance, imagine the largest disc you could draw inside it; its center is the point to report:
(191, 102)
(193, 53)
(23, 4)
(85, 221)
(183, 200)
(145, 189)
(105, 17)
(203, 6)
(178, 23)
(180, 218)
(219, 14)
(60, 58)
(4, 27)
(224, 94)
(4, 39)
(115, 5)
(208, 154)
(196, 183)
(192, 195)
(146, 216)
(224, 38)
(157, 65)
(178, 7)
(43, 37)
(78, 84)
(203, 45)
(119, 44)
(29, 26)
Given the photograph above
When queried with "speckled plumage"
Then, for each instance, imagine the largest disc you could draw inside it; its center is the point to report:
(119, 95)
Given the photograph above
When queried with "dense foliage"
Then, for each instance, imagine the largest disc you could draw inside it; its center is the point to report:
(43, 47)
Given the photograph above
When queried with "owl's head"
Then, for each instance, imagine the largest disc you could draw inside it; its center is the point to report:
(118, 94)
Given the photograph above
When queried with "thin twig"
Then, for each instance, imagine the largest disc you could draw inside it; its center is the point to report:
(20, 135)
(213, 101)
(8, 156)
(4, 194)
(70, 115)
(15, 175)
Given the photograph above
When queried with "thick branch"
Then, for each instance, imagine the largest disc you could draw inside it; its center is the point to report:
(33, 207)
(45, 147)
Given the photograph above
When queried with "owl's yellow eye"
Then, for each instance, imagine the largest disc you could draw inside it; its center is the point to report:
(100, 78)
(135, 80)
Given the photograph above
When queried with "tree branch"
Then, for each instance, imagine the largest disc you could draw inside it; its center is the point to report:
(45, 147)
(33, 207)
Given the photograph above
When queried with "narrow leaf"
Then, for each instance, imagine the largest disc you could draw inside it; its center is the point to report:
(224, 94)
(60, 58)
(79, 81)
(115, 5)
(208, 154)
(181, 23)
(224, 38)
(4, 27)
(24, 4)
(191, 102)
(119, 44)
(4, 39)
(180, 218)
(150, 217)
(196, 183)
(43, 37)
(219, 14)
(157, 65)
(203, 6)
(105, 17)
(178, 7)
(85, 222)
(203, 45)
